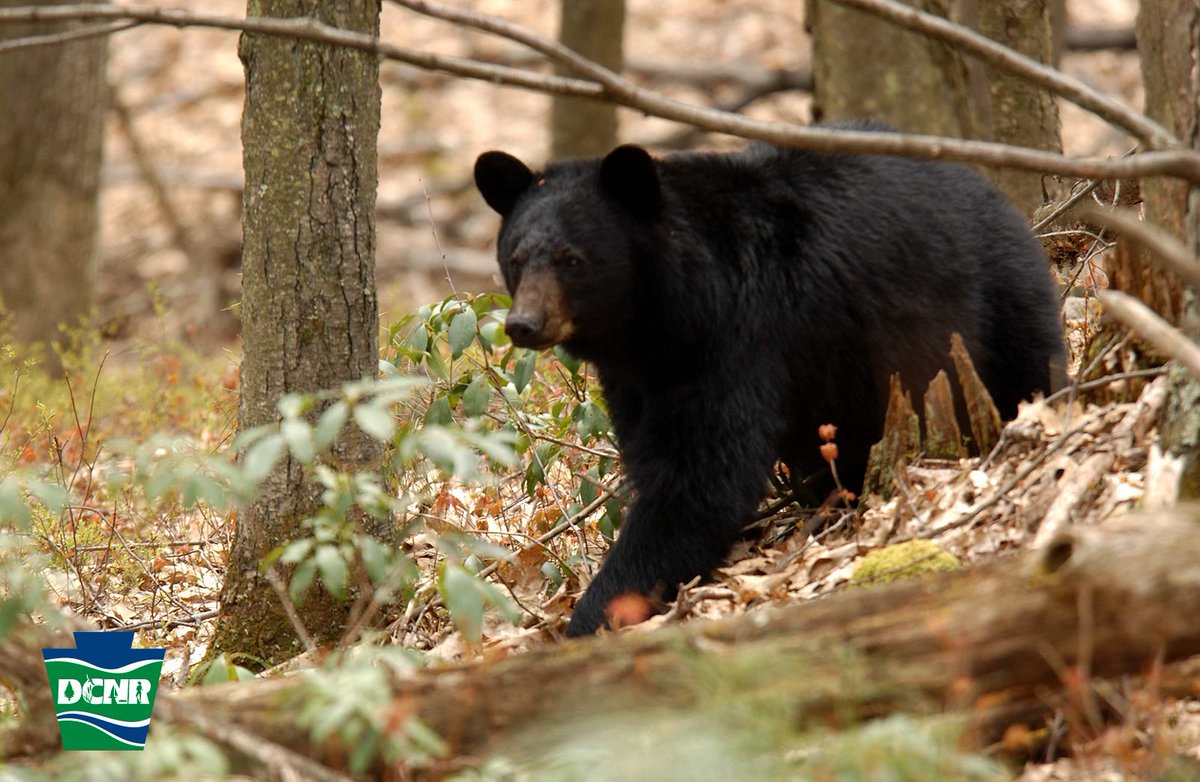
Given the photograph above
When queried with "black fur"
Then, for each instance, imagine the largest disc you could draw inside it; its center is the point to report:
(732, 303)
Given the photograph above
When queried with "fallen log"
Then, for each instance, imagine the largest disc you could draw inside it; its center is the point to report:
(992, 643)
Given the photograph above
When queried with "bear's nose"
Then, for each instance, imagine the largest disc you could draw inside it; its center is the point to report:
(522, 328)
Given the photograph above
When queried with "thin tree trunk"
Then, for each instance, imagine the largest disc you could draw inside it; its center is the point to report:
(52, 105)
(309, 310)
(1021, 113)
(595, 29)
(865, 67)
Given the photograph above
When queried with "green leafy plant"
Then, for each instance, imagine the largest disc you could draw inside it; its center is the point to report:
(553, 410)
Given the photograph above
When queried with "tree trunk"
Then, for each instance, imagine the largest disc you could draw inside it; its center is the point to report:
(309, 310)
(1021, 113)
(595, 29)
(865, 67)
(1168, 34)
(51, 147)
(993, 642)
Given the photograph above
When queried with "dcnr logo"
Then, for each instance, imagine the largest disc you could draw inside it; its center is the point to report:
(103, 690)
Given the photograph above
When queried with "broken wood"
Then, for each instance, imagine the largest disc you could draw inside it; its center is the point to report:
(981, 410)
(943, 438)
(901, 438)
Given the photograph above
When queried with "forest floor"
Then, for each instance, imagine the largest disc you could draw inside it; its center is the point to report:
(165, 365)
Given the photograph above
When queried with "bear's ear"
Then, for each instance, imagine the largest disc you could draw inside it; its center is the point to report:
(501, 178)
(628, 175)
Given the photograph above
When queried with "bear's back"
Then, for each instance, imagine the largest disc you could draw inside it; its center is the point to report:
(864, 265)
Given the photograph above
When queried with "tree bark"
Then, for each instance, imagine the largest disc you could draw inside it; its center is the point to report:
(1168, 34)
(51, 147)
(595, 29)
(1021, 113)
(865, 67)
(309, 310)
(993, 642)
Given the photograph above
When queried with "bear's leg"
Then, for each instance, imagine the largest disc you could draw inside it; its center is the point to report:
(699, 471)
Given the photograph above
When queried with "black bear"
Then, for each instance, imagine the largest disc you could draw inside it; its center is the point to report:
(731, 303)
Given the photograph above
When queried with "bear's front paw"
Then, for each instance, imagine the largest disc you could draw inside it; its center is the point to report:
(600, 609)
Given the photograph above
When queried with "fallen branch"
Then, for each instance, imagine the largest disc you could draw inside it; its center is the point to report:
(1075, 491)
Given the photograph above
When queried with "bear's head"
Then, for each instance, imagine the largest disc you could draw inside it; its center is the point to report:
(574, 245)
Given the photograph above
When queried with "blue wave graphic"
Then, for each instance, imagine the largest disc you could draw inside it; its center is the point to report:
(132, 733)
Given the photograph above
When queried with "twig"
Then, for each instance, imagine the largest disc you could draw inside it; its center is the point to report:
(1074, 232)
(998, 56)
(513, 594)
(1181, 163)
(1148, 325)
(147, 544)
(1066, 206)
(12, 402)
(602, 453)
(436, 239)
(185, 621)
(1100, 382)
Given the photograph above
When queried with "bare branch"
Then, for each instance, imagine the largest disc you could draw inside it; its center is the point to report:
(1147, 324)
(78, 34)
(1163, 247)
(305, 29)
(1180, 163)
(626, 93)
(701, 75)
(998, 56)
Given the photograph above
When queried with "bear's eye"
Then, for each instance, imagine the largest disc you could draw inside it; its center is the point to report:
(568, 259)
